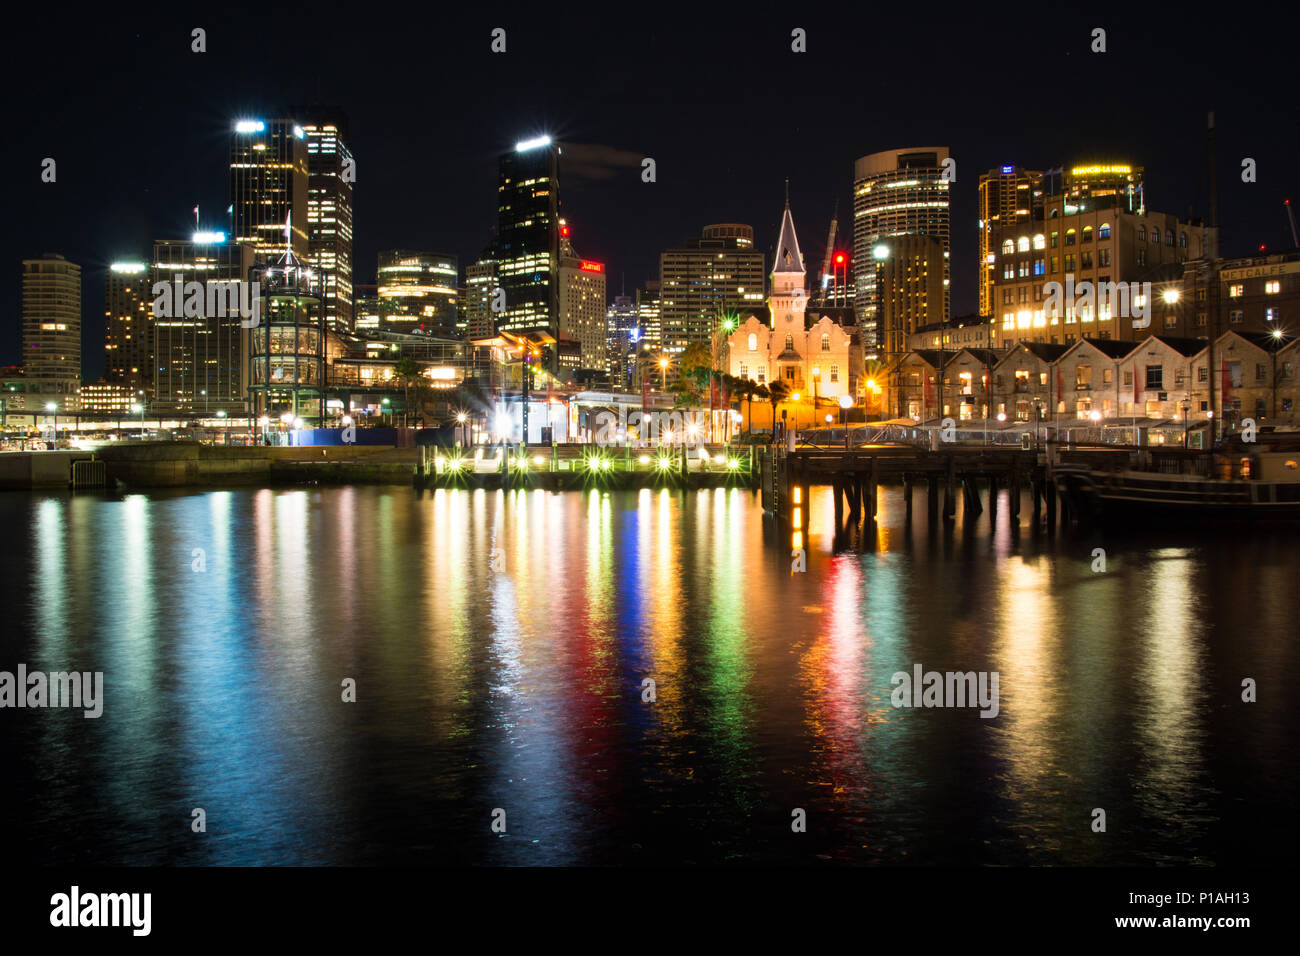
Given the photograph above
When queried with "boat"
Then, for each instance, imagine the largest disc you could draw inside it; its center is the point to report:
(1236, 481)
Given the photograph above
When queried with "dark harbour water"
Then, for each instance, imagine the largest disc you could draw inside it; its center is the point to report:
(521, 689)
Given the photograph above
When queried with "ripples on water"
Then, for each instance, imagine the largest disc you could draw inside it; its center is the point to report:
(522, 690)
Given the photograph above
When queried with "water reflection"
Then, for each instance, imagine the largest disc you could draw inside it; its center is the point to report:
(500, 643)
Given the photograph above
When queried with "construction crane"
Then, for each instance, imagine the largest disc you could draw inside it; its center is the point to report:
(827, 275)
(1291, 215)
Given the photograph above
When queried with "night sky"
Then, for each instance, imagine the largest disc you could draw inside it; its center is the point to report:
(139, 124)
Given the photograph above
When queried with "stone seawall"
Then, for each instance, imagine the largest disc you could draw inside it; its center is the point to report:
(170, 465)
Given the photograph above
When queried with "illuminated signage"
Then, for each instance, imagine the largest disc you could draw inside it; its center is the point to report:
(1008, 170)
(1100, 170)
(250, 126)
(128, 267)
(208, 238)
(593, 266)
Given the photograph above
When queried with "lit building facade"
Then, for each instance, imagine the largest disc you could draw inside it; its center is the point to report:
(704, 279)
(819, 359)
(901, 192)
(269, 184)
(199, 351)
(582, 309)
(128, 327)
(1008, 196)
(476, 305)
(528, 238)
(418, 292)
(622, 339)
(287, 348)
(1092, 248)
(910, 289)
(52, 328)
(331, 174)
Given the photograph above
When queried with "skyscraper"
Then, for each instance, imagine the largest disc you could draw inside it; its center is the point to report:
(622, 337)
(704, 278)
(910, 290)
(582, 309)
(1007, 195)
(528, 237)
(417, 292)
(476, 306)
(331, 172)
(199, 354)
(128, 327)
(899, 192)
(268, 182)
(52, 328)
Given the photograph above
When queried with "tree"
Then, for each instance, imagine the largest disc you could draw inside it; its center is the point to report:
(776, 393)
(407, 373)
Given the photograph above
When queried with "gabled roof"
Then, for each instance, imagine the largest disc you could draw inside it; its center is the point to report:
(1112, 348)
(989, 357)
(1046, 351)
(935, 358)
(788, 259)
(1184, 347)
(1261, 340)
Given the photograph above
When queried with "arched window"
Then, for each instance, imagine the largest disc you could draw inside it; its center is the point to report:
(1022, 244)
(1182, 239)
(753, 341)
(1087, 233)
(1040, 242)
(1103, 231)
(1169, 237)
(826, 341)
(1054, 214)
(1008, 247)
(1142, 233)
(1069, 237)
(789, 343)
(1155, 235)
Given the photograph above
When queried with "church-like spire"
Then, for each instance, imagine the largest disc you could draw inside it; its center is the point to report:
(788, 257)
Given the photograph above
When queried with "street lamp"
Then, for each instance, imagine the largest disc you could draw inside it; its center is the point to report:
(846, 402)
(816, 374)
(1185, 405)
(795, 397)
(663, 370)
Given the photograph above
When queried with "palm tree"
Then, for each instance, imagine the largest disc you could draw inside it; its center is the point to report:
(776, 393)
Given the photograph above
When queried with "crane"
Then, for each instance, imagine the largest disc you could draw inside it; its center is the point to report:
(830, 248)
(1291, 215)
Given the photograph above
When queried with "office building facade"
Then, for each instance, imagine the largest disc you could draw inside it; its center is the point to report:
(269, 186)
(52, 329)
(331, 175)
(703, 280)
(418, 292)
(128, 327)
(902, 192)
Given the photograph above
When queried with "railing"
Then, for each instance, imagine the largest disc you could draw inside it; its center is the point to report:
(89, 473)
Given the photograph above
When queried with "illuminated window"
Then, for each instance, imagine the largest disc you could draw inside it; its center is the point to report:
(1056, 236)
(1103, 231)
(753, 342)
(1039, 242)
(835, 373)
(1272, 288)
(1087, 233)
(1069, 237)
(826, 342)
(1022, 244)
(1008, 247)
(1234, 291)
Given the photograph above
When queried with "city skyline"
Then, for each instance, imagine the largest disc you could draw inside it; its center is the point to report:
(443, 199)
